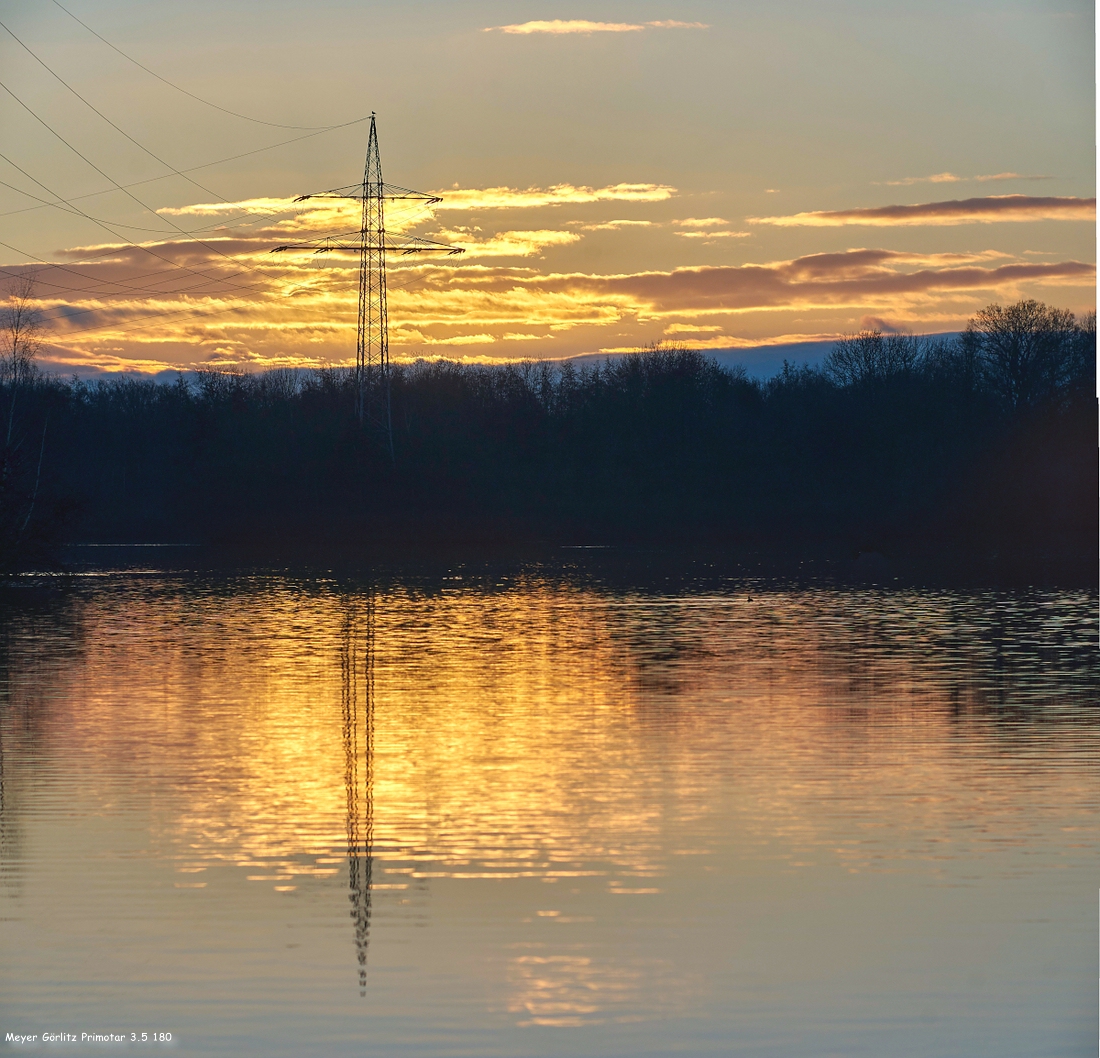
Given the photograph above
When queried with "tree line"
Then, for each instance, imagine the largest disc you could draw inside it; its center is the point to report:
(980, 447)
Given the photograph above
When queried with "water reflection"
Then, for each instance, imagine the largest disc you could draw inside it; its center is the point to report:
(357, 709)
(9, 848)
(597, 809)
(41, 641)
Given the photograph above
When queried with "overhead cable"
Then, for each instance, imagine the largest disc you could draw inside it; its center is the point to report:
(66, 208)
(99, 113)
(145, 206)
(196, 168)
(106, 227)
(205, 102)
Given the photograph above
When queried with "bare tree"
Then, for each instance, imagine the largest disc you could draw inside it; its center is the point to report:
(871, 356)
(20, 342)
(1026, 350)
(1081, 369)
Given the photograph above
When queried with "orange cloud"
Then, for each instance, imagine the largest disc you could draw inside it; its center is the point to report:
(714, 234)
(117, 306)
(990, 210)
(853, 277)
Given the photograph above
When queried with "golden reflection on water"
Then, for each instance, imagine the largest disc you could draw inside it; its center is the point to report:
(567, 736)
(357, 706)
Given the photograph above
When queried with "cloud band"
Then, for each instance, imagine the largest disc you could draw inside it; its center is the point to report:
(560, 27)
(989, 210)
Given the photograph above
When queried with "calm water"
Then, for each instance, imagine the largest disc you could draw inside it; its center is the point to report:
(523, 816)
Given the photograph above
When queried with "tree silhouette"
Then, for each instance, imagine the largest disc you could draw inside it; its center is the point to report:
(973, 447)
(20, 342)
(1025, 350)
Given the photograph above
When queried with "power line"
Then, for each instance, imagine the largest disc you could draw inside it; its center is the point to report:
(99, 113)
(138, 227)
(224, 281)
(128, 328)
(181, 231)
(111, 251)
(366, 356)
(196, 168)
(106, 227)
(50, 266)
(126, 286)
(146, 292)
(205, 102)
(114, 251)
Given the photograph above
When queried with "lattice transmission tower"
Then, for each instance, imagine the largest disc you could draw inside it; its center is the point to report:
(372, 346)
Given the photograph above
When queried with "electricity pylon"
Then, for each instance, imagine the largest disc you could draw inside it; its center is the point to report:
(372, 346)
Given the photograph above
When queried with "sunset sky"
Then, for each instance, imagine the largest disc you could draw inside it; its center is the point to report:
(726, 175)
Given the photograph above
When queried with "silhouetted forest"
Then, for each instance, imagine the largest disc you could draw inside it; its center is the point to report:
(974, 450)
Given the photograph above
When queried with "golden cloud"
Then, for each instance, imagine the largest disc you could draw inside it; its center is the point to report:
(249, 229)
(559, 195)
(559, 27)
(126, 309)
(264, 206)
(937, 178)
(701, 222)
(285, 216)
(612, 225)
(508, 243)
(990, 210)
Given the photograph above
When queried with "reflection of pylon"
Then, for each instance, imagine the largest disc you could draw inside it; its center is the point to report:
(357, 669)
(372, 347)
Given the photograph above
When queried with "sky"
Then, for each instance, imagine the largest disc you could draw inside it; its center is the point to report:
(725, 175)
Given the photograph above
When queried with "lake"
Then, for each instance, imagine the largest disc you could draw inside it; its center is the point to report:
(536, 813)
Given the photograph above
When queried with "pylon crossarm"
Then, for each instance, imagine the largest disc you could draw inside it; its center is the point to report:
(418, 244)
(390, 192)
(396, 191)
(399, 248)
